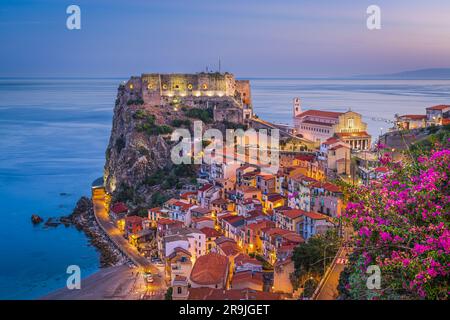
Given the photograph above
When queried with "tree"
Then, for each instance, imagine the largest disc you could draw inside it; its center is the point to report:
(168, 295)
(311, 257)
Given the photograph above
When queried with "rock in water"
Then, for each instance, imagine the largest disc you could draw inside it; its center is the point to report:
(35, 219)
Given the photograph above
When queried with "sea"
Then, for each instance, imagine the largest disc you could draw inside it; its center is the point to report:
(53, 136)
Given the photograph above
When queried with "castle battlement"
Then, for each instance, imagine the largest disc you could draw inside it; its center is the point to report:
(230, 98)
(155, 88)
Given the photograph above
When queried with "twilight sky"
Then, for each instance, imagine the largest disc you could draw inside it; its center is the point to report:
(282, 38)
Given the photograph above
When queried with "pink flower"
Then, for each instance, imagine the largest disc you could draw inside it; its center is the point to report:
(386, 236)
(419, 248)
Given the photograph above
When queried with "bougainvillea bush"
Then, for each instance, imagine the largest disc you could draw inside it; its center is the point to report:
(401, 224)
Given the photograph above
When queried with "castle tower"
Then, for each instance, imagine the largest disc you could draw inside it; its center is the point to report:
(297, 107)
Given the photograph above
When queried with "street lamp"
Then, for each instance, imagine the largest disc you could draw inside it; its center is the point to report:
(303, 286)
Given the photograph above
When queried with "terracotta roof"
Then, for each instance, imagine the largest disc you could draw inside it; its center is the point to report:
(316, 216)
(331, 141)
(275, 231)
(247, 276)
(319, 113)
(183, 205)
(339, 146)
(223, 239)
(318, 123)
(233, 294)
(133, 219)
(292, 213)
(231, 219)
(168, 221)
(414, 116)
(187, 194)
(210, 269)
(156, 209)
(171, 201)
(265, 176)
(439, 107)
(327, 186)
(293, 237)
(229, 248)
(178, 250)
(261, 225)
(201, 210)
(119, 207)
(243, 258)
(210, 232)
(200, 219)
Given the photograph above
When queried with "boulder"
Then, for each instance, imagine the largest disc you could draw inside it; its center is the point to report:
(35, 219)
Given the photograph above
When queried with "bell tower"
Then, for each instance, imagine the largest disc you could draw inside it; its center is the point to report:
(296, 107)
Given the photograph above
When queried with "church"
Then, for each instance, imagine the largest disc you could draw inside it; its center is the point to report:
(318, 126)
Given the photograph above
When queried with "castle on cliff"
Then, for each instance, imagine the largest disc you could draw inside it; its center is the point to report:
(230, 98)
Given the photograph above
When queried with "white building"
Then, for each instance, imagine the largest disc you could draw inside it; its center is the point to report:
(319, 126)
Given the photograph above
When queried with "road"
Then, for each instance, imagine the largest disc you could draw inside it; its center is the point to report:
(155, 289)
(329, 289)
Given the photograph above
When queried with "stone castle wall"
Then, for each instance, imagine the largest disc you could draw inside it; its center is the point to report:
(230, 98)
(154, 86)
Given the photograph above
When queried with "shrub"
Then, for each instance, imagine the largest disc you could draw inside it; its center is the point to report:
(206, 115)
(137, 101)
(402, 225)
(178, 123)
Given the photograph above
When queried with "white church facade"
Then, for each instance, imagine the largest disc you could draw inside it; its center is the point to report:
(318, 126)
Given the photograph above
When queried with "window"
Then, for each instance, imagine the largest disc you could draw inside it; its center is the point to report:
(190, 86)
(350, 123)
(205, 86)
(179, 290)
(164, 86)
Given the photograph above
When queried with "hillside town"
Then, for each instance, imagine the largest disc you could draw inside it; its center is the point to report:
(232, 234)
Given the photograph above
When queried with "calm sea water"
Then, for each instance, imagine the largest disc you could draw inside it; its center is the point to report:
(53, 135)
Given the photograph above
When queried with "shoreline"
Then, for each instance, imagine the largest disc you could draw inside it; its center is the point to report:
(112, 261)
(83, 219)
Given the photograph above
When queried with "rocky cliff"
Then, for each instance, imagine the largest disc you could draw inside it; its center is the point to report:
(138, 155)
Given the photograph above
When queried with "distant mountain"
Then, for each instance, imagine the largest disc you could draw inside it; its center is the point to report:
(425, 74)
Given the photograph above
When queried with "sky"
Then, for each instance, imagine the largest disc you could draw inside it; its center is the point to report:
(252, 38)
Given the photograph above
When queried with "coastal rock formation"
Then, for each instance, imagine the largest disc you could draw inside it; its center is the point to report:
(148, 109)
(132, 154)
